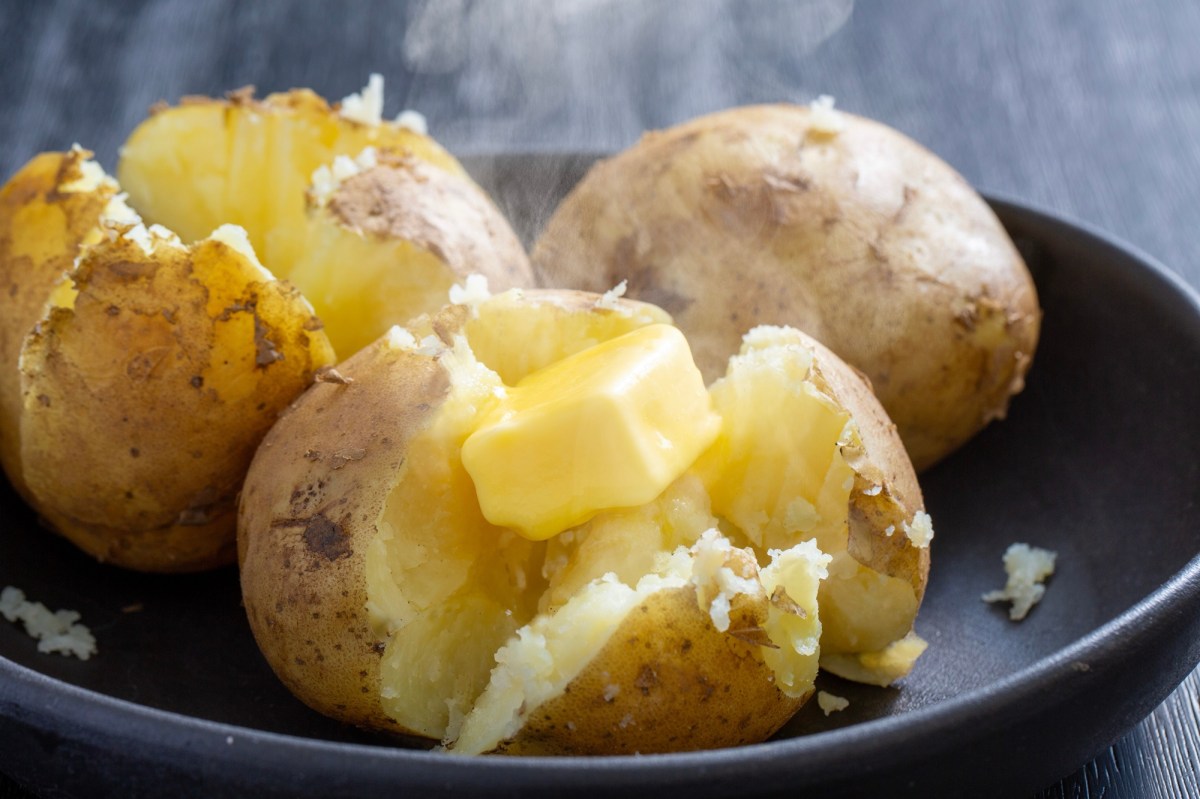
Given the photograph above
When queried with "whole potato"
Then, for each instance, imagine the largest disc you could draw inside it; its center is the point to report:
(381, 593)
(829, 222)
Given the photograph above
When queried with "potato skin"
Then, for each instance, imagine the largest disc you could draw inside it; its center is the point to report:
(863, 239)
(881, 466)
(412, 230)
(409, 200)
(41, 230)
(145, 399)
(307, 514)
(674, 673)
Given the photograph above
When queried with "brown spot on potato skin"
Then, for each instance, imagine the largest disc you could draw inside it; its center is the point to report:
(326, 538)
(646, 680)
(265, 351)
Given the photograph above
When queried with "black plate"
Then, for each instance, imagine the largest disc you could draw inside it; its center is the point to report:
(1098, 460)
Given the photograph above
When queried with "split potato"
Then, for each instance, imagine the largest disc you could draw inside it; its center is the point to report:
(145, 387)
(48, 210)
(387, 589)
(372, 220)
(829, 222)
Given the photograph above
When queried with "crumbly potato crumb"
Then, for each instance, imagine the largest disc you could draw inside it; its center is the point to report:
(57, 631)
(920, 529)
(118, 213)
(831, 703)
(710, 572)
(91, 174)
(881, 668)
(608, 300)
(328, 178)
(413, 120)
(825, 118)
(365, 106)
(471, 291)
(1027, 567)
(398, 338)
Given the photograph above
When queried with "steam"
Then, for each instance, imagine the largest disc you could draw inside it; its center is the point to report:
(593, 74)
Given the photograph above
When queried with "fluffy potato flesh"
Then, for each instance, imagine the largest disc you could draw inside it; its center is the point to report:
(249, 162)
(147, 384)
(373, 221)
(381, 594)
(837, 225)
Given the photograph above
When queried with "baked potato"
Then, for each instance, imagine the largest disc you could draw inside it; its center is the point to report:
(372, 220)
(148, 383)
(389, 585)
(825, 221)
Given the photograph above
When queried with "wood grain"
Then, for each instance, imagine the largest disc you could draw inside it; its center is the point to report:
(1090, 110)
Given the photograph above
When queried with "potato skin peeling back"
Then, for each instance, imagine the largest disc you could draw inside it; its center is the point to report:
(629, 633)
(388, 242)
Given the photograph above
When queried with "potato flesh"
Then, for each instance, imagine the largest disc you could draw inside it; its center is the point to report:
(372, 241)
(436, 550)
(770, 496)
(756, 479)
(355, 286)
(433, 510)
(625, 542)
(547, 332)
(249, 164)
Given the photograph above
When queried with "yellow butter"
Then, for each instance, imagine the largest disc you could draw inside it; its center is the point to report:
(608, 427)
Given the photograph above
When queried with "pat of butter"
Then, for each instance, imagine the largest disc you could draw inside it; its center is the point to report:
(608, 427)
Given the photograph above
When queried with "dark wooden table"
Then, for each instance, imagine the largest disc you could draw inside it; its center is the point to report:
(1087, 109)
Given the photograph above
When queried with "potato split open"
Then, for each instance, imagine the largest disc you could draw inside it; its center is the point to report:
(147, 388)
(138, 375)
(372, 220)
(382, 595)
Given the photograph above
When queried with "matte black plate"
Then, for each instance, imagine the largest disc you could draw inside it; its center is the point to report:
(1098, 460)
